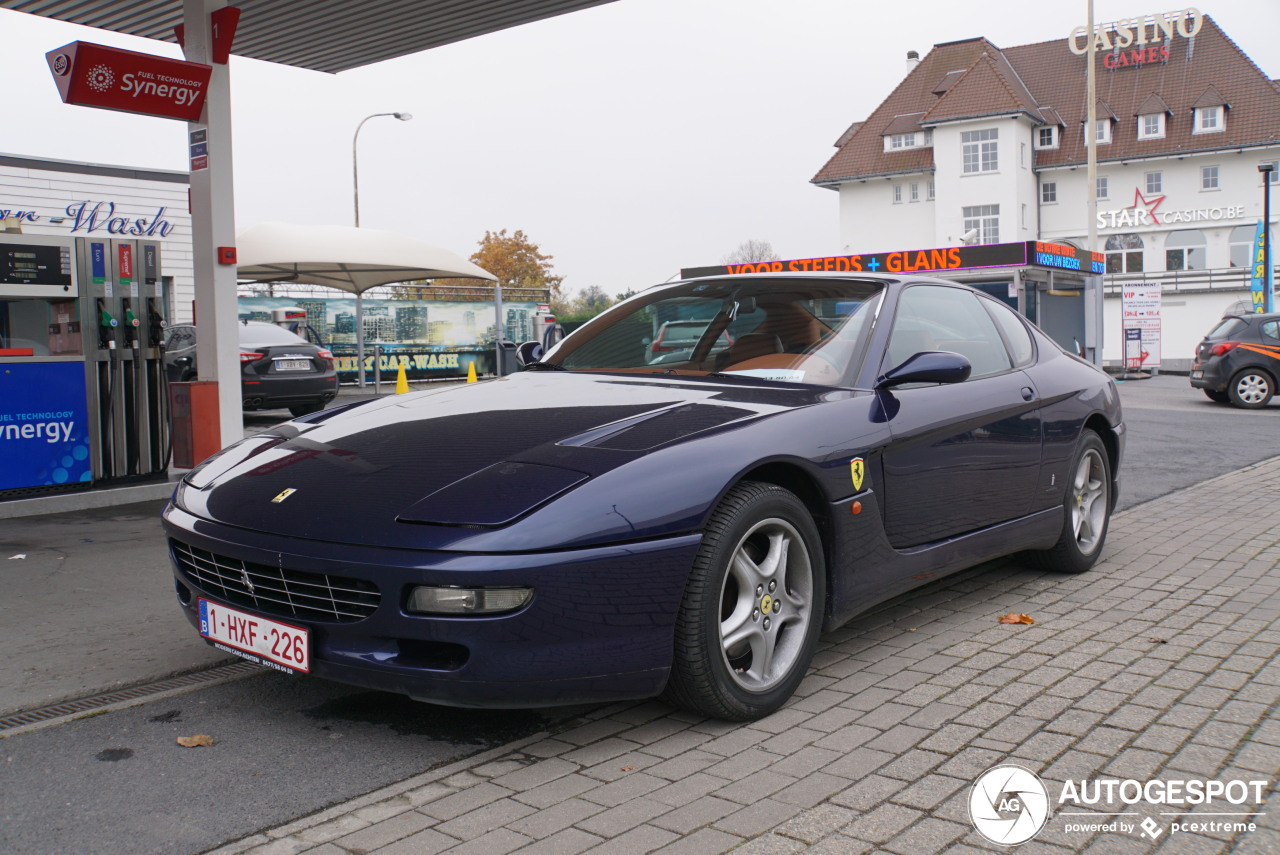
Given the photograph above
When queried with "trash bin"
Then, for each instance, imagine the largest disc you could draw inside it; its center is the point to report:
(507, 362)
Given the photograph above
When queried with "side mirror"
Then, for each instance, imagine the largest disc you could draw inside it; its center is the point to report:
(931, 366)
(529, 352)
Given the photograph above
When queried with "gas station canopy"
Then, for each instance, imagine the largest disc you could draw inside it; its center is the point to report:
(321, 35)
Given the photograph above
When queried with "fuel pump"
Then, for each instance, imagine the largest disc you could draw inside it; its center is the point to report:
(124, 373)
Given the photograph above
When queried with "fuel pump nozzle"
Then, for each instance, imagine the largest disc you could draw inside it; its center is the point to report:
(155, 324)
(131, 324)
(106, 327)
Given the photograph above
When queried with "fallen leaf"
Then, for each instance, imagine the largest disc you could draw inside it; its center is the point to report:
(1014, 617)
(1159, 640)
(913, 629)
(193, 741)
(626, 768)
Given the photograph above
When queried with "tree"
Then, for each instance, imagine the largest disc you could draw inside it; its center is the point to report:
(582, 306)
(750, 251)
(515, 260)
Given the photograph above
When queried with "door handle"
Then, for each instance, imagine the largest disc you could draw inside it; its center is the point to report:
(1028, 394)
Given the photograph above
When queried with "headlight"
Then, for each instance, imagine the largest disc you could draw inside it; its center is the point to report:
(432, 600)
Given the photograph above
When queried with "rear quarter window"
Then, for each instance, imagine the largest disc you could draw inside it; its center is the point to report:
(1227, 328)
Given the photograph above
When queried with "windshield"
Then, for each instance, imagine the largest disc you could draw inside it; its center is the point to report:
(788, 330)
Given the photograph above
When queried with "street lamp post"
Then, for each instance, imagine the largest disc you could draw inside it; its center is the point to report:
(355, 201)
(1268, 287)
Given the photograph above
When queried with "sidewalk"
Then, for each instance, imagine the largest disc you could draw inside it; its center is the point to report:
(1163, 662)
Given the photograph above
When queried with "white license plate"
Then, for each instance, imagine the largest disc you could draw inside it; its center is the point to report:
(1196, 375)
(293, 364)
(267, 642)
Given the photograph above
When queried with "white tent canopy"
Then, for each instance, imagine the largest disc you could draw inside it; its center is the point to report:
(344, 257)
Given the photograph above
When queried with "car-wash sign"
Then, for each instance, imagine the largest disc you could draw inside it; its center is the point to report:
(113, 79)
(1032, 253)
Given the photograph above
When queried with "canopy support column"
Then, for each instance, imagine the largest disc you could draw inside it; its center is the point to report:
(213, 225)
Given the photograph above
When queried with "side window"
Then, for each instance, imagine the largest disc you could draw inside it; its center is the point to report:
(1271, 329)
(934, 317)
(1015, 333)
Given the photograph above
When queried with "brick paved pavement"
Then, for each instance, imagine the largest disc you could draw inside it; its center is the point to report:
(1162, 662)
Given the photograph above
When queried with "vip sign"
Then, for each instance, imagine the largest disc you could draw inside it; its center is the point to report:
(1133, 35)
(91, 75)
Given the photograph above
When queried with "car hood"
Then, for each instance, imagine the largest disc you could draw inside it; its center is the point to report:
(471, 456)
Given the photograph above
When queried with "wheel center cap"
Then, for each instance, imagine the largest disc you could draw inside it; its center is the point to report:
(766, 604)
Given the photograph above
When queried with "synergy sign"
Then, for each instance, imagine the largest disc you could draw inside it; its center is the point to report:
(93, 75)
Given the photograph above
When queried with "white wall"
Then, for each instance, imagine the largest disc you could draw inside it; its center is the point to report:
(49, 190)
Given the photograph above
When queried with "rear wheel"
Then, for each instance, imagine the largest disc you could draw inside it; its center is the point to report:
(752, 609)
(1251, 388)
(1087, 507)
(1217, 397)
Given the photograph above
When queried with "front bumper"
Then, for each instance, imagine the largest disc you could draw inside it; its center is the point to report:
(600, 626)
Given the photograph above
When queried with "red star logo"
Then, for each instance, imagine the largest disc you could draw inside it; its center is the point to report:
(1149, 204)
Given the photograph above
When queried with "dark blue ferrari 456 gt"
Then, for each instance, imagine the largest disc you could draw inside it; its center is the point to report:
(600, 526)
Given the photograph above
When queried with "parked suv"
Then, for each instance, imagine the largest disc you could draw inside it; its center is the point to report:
(278, 369)
(1238, 362)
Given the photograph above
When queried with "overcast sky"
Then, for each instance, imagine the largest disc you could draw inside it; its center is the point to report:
(628, 140)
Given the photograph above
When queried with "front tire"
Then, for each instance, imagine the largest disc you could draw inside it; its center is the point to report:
(1251, 388)
(752, 609)
(1087, 507)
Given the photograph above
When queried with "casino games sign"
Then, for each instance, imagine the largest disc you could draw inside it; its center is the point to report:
(109, 78)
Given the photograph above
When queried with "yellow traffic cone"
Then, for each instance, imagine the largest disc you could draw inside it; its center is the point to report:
(471, 372)
(402, 382)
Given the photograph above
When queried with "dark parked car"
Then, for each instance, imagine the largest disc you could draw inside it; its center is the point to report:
(1238, 362)
(598, 528)
(279, 369)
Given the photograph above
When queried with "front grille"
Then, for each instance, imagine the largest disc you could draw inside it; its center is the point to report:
(277, 590)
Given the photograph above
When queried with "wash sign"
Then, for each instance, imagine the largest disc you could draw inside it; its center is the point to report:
(44, 425)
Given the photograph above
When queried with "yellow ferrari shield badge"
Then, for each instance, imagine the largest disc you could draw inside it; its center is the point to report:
(284, 494)
(859, 470)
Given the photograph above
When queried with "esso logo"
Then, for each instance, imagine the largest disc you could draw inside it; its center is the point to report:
(1008, 804)
(61, 65)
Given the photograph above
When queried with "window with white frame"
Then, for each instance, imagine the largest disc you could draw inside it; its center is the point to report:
(1154, 182)
(1208, 178)
(930, 191)
(893, 142)
(1124, 253)
(1209, 120)
(1241, 245)
(1047, 137)
(1100, 187)
(897, 193)
(915, 192)
(1151, 126)
(1049, 192)
(979, 151)
(1185, 250)
(1101, 132)
(984, 218)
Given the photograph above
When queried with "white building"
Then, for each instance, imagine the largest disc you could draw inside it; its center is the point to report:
(983, 145)
(68, 199)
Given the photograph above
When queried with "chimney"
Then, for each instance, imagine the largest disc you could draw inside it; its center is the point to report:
(913, 59)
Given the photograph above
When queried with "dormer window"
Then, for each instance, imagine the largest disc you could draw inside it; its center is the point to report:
(1151, 126)
(902, 142)
(1101, 132)
(1047, 137)
(1209, 120)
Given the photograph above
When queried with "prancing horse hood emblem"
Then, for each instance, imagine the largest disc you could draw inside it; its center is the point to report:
(284, 494)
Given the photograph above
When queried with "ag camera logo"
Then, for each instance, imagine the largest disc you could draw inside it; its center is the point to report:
(1008, 804)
